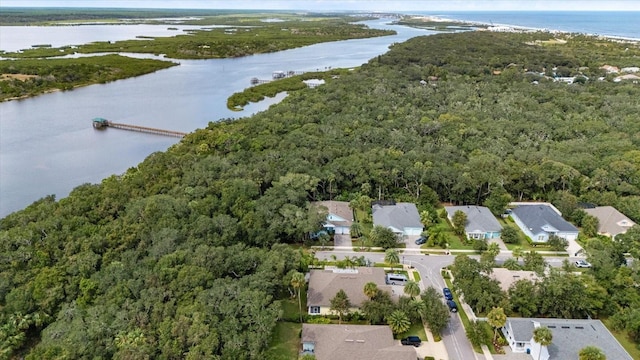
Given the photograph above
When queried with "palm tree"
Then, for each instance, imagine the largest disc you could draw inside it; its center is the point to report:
(391, 257)
(591, 353)
(497, 319)
(517, 252)
(370, 290)
(356, 230)
(298, 281)
(543, 336)
(399, 322)
(412, 288)
(494, 249)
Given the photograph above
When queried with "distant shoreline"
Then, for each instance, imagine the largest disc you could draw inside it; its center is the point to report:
(490, 26)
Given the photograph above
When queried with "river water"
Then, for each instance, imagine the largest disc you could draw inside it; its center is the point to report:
(47, 143)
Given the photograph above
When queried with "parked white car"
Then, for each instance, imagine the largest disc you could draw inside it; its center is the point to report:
(582, 264)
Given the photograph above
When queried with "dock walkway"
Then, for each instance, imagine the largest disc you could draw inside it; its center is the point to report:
(100, 123)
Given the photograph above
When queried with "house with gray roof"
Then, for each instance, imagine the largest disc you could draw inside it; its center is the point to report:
(541, 220)
(481, 224)
(325, 284)
(569, 337)
(339, 216)
(353, 342)
(611, 222)
(402, 218)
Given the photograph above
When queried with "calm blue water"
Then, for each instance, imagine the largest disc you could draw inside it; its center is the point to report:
(608, 23)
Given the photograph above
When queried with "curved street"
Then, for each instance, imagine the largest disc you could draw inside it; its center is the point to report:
(429, 266)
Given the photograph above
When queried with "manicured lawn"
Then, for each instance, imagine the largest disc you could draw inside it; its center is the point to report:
(416, 329)
(416, 276)
(290, 307)
(285, 342)
(456, 244)
(625, 341)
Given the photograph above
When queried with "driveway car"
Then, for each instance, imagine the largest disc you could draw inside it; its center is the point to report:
(411, 340)
(453, 307)
(582, 264)
(421, 240)
(447, 294)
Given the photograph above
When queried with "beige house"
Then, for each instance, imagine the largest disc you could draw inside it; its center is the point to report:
(339, 216)
(353, 342)
(325, 284)
(507, 277)
(611, 221)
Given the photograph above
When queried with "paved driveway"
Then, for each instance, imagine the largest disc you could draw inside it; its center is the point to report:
(410, 241)
(342, 240)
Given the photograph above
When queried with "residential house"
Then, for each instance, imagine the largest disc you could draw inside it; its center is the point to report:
(630, 69)
(507, 277)
(541, 220)
(610, 69)
(629, 77)
(481, 224)
(611, 222)
(325, 284)
(402, 218)
(339, 217)
(569, 337)
(353, 342)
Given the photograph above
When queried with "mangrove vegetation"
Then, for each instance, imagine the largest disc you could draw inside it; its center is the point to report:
(186, 255)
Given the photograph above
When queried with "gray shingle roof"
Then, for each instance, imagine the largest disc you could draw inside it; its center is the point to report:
(538, 217)
(399, 216)
(355, 342)
(570, 336)
(479, 218)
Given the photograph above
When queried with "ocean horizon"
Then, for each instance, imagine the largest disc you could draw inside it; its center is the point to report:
(617, 24)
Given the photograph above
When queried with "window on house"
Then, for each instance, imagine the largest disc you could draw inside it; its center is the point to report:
(314, 309)
(540, 237)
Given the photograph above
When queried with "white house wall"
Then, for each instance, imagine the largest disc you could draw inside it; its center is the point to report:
(342, 230)
(525, 229)
(412, 231)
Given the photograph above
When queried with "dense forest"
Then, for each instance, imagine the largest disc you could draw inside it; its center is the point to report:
(30, 77)
(184, 256)
(241, 37)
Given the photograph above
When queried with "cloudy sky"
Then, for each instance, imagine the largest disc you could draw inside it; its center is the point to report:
(373, 5)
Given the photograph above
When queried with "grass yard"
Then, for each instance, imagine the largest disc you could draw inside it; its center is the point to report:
(416, 329)
(290, 309)
(624, 340)
(416, 276)
(285, 342)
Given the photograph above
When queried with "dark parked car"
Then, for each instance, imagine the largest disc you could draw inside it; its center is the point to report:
(421, 240)
(411, 340)
(447, 294)
(453, 307)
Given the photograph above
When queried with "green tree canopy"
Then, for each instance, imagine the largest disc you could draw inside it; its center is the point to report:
(340, 304)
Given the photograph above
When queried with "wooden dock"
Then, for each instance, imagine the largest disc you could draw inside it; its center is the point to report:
(100, 123)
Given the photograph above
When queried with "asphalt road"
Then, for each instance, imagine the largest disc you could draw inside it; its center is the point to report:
(454, 336)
